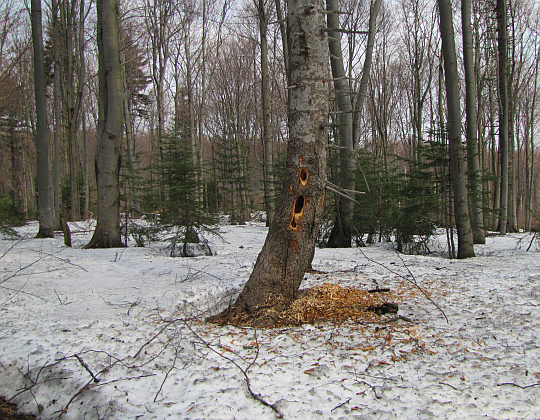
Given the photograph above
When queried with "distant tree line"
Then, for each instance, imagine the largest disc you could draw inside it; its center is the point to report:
(433, 115)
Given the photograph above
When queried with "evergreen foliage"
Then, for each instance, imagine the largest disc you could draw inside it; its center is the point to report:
(231, 169)
(179, 213)
(416, 216)
(66, 192)
(401, 200)
(8, 216)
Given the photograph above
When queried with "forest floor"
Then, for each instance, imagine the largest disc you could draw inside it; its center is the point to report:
(120, 333)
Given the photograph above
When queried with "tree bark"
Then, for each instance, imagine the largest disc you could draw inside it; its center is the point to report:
(110, 120)
(81, 109)
(529, 161)
(45, 192)
(289, 246)
(503, 113)
(475, 198)
(57, 187)
(341, 234)
(495, 158)
(366, 70)
(457, 172)
(132, 195)
(284, 38)
(513, 163)
(72, 103)
(268, 154)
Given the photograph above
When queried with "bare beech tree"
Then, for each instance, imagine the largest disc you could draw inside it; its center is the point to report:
(475, 199)
(457, 171)
(348, 117)
(110, 121)
(503, 112)
(268, 161)
(45, 192)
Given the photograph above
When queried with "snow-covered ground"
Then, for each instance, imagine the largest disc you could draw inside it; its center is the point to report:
(113, 334)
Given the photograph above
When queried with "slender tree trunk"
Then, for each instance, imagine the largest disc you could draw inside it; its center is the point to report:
(513, 160)
(288, 249)
(446, 195)
(512, 224)
(284, 38)
(132, 197)
(72, 105)
(81, 111)
(110, 120)
(191, 120)
(475, 198)
(457, 172)
(362, 89)
(341, 234)
(529, 160)
(244, 213)
(57, 187)
(45, 191)
(503, 113)
(17, 170)
(268, 153)
(86, 167)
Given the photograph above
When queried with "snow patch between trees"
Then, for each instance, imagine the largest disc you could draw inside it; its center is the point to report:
(117, 333)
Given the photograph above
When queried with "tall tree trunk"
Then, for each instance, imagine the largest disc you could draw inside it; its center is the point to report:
(341, 234)
(513, 163)
(57, 186)
(45, 192)
(81, 109)
(268, 153)
(366, 70)
(288, 249)
(132, 197)
(475, 198)
(242, 169)
(72, 105)
(457, 172)
(446, 194)
(512, 220)
(17, 170)
(191, 120)
(529, 161)
(110, 120)
(284, 38)
(86, 168)
(503, 113)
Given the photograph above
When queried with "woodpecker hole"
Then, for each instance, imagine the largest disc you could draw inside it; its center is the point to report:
(298, 212)
(304, 176)
(299, 204)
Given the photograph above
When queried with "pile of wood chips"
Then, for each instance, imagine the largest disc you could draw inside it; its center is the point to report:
(334, 303)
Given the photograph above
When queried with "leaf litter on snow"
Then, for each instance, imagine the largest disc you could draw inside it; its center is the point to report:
(130, 318)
